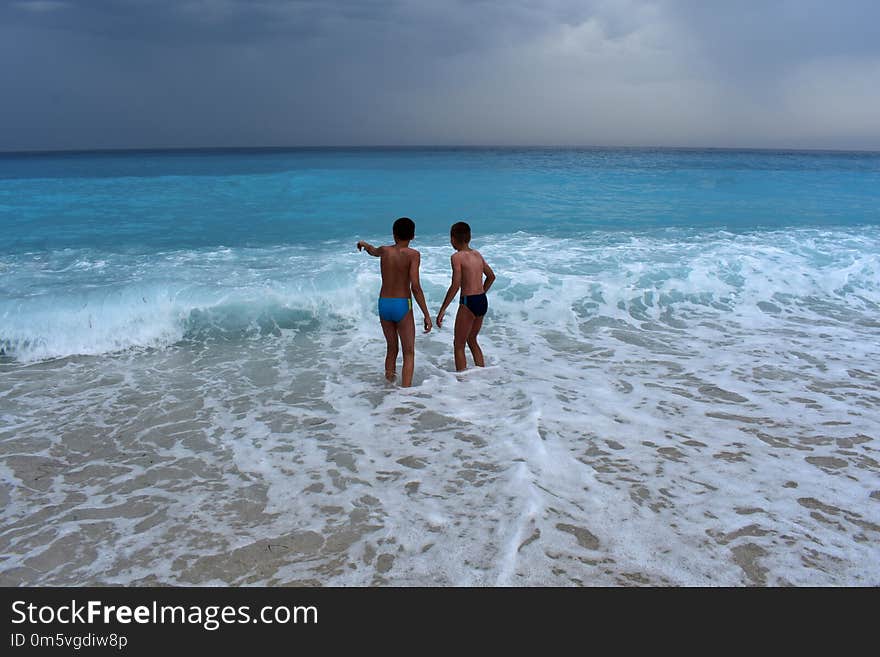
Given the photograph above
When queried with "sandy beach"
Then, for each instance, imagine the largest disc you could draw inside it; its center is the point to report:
(588, 453)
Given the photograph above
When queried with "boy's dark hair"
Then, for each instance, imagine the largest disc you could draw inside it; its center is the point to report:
(461, 232)
(404, 228)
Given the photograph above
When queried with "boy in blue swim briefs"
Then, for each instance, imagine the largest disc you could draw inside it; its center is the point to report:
(468, 267)
(400, 282)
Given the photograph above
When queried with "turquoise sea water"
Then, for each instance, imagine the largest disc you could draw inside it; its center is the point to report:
(149, 201)
(682, 384)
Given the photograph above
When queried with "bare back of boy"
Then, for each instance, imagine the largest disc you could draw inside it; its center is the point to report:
(471, 264)
(396, 264)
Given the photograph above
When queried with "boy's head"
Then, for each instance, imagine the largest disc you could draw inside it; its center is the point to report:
(460, 234)
(404, 229)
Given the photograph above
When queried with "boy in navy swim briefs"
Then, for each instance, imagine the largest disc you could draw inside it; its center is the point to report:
(468, 267)
(400, 282)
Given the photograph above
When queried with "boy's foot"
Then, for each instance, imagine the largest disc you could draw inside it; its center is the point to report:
(391, 375)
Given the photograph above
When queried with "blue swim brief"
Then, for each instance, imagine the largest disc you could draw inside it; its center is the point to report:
(394, 309)
(476, 303)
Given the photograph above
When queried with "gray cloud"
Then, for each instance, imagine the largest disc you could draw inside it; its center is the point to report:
(163, 73)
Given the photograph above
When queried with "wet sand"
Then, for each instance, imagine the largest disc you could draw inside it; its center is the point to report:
(258, 481)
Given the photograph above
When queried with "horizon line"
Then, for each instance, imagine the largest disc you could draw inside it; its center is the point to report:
(192, 149)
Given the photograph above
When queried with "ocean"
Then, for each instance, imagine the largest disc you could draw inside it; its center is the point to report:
(681, 386)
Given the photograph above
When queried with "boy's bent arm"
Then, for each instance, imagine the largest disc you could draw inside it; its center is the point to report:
(453, 288)
(490, 276)
(416, 288)
(374, 251)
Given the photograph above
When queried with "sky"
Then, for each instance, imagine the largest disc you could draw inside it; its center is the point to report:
(93, 74)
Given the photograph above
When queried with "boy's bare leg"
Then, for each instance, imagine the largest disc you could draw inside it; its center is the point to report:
(406, 329)
(476, 352)
(390, 331)
(464, 321)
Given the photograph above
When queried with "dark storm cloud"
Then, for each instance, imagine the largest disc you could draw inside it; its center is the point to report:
(164, 21)
(141, 73)
(449, 26)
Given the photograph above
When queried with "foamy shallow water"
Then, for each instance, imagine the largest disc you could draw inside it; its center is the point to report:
(689, 408)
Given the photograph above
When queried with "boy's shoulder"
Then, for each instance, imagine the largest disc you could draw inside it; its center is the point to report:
(394, 248)
(466, 255)
(407, 253)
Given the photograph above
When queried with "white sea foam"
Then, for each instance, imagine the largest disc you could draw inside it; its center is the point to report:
(680, 408)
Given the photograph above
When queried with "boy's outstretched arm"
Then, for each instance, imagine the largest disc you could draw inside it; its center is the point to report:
(416, 288)
(490, 276)
(453, 289)
(375, 251)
